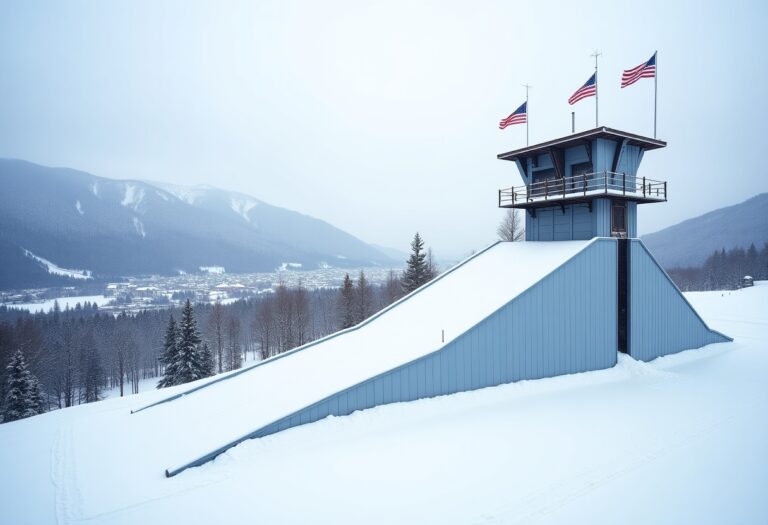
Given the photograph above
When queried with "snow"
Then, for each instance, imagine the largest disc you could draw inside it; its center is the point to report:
(55, 269)
(139, 226)
(242, 206)
(132, 197)
(188, 194)
(678, 440)
(95, 188)
(390, 340)
(79, 208)
(212, 269)
(64, 302)
(288, 266)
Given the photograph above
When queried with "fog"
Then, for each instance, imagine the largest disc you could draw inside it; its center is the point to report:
(381, 118)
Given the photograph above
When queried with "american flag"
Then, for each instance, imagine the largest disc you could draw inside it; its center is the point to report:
(519, 116)
(644, 70)
(589, 89)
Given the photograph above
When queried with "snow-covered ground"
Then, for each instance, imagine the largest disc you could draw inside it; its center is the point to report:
(64, 303)
(58, 270)
(683, 439)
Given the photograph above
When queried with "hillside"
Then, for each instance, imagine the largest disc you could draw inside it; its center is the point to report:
(78, 221)
(587, 448)
(690, 242)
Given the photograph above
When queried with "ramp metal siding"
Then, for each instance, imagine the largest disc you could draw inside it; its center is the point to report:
(565, 323)
(661, 319)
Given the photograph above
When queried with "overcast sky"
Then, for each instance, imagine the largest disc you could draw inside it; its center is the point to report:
(381, 118)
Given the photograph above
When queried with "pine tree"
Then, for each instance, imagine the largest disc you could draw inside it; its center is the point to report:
(206, 355)
(189, 363)
(363, 299)
(347, 303)
(169, 355)
(24, 397)
(91, 372)
(417, 272)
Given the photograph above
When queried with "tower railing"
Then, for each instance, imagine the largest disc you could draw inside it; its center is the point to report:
(585, 185)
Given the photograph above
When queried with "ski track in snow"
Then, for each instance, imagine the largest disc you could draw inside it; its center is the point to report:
(68, 499)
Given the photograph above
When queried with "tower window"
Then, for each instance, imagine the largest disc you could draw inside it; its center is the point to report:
(618, 219)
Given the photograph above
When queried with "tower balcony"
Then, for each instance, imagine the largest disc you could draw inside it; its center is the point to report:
(583, 189)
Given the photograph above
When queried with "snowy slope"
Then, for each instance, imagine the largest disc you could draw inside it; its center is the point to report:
(678, 440)
(406, 332)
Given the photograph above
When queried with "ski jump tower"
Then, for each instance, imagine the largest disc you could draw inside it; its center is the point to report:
(588, 185)
(580, 290)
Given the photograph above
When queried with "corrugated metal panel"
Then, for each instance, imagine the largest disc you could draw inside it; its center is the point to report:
(531, 227)
(630, 160)
(552, 224)
(565, 323)
(563, 227)
(545, 219)
(601, 218)
(661, 319)
(582, 223)
(631, 219)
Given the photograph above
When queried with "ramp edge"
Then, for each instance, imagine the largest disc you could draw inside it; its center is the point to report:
(322, 339)
(173, 471)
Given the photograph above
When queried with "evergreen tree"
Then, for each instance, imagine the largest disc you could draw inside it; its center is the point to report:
(91, 372)
(169, 355)
(347, 303)
(363, 299)
(189, 362)
(23, 395)
(417, 272)
(206, 355)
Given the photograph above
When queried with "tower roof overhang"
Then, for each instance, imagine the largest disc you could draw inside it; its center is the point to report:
(576, 139)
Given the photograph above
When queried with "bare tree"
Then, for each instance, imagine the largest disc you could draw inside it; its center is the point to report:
(216, 331)
(301, 314)
(284, 318)
(263, 325)
(234, 351)
(433, 270)
(393, 289)
(512, 227)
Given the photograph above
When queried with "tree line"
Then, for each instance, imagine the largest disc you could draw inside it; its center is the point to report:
(723, 270)
(68, 357)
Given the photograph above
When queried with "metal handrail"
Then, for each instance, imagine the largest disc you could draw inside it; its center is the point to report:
(607, 182)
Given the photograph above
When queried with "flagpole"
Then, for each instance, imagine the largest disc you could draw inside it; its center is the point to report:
(655, 91)
(596, 54)
(527, 113)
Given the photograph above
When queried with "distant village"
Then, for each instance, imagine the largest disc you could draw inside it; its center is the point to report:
(212, 284)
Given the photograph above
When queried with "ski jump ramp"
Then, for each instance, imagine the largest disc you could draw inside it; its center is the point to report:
(512, 311)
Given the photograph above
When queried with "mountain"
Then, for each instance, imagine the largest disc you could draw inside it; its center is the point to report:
(392, 253)
(690, 242)
(58, 224)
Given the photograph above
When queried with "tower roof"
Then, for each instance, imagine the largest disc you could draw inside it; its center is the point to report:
(583, 137)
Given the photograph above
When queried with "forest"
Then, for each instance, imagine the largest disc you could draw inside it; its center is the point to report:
(723, 270)
(68, 357)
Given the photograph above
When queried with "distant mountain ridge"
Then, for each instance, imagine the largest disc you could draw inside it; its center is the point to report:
(690, 242)
(76, 220)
